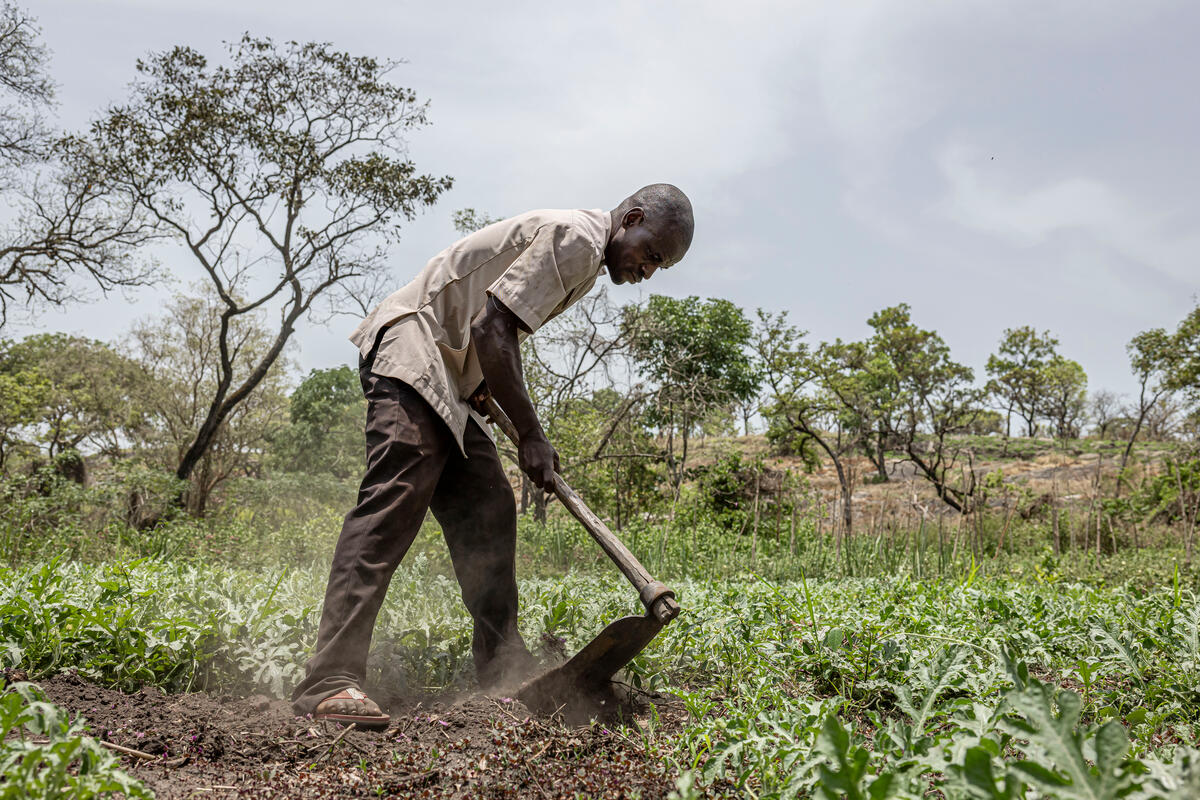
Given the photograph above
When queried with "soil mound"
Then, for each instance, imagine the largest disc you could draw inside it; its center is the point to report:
(464, 746)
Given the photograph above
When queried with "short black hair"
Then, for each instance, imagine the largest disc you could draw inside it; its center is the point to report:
(665, 206)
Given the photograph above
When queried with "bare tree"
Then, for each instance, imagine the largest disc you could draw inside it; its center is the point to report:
(1105, 408)
(60, 228)
(28, 91)
(1164, 418)
(282, 173)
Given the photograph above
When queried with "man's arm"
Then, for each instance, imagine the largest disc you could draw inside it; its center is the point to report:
(494, 332)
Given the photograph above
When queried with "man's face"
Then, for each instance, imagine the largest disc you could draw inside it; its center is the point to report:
(637, 251)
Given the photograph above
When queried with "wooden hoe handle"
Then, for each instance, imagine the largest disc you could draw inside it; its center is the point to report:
(658, 599)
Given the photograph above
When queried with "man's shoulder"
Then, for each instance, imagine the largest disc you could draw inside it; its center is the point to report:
(575, 226)
(588, 226)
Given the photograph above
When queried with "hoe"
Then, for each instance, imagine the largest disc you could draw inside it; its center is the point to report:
(591, 669)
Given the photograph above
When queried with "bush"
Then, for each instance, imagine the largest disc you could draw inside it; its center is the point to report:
(1171, 496)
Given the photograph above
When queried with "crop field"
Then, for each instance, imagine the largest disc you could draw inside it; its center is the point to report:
(971, 687)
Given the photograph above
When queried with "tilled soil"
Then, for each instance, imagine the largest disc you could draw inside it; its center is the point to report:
(204, 745)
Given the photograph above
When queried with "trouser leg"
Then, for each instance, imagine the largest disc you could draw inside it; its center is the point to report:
(474, 505)
(407, 447)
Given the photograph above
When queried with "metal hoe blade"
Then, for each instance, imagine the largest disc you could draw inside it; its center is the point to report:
(593, 666)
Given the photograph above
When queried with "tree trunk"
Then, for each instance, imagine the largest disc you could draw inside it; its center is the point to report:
(224, 404)
(683, 454)
(844, 479)
(1054, 518)
(617, 496)
(754, 529)
(1143, 411)
(847, 502)
(1129, 447)
(539, 506)
(873, 449)
(1189, 524)
(944, 492)
(792, 534)
(880, 457)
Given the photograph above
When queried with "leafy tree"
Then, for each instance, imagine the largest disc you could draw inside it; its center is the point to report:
(695, 352)
(1018, 377)
(326, 432)
(1065, 396)
(937, 401)
(182, 352)
(468, 220)
(862, 378)
(59, 228)
(282, 173)
(1152, 358)
(803, 408)
(1166, 366)
(79, 393)
(1185, 345)
(983, 422)
(23, 393)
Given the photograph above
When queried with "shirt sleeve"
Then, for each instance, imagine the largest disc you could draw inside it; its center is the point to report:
(540, 279)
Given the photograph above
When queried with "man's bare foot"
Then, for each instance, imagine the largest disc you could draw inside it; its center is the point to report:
(351, 705)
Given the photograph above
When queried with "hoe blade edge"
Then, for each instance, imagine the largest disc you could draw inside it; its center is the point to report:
(592, 667)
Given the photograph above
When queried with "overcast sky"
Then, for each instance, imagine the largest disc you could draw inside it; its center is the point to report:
(991, 164)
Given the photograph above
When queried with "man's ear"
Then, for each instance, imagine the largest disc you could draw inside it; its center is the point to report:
(633, 216)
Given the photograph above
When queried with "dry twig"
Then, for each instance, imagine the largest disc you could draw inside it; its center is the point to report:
(129, 751)
(334, 743)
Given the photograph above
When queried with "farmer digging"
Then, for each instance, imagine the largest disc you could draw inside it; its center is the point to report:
(428, 354)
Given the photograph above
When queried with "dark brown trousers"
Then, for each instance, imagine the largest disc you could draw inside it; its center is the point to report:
(414, 464)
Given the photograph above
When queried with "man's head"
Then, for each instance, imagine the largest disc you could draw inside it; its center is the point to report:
(651, 230)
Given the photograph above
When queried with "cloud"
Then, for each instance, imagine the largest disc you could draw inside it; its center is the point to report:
(838, 154)
(981, 198)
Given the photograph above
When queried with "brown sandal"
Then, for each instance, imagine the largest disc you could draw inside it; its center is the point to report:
(373, 720)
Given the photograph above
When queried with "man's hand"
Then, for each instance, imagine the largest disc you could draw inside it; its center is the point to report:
(536, 456)
(478, 398)
(538, 459)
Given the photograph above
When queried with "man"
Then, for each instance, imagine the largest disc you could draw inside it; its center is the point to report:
(450, 335)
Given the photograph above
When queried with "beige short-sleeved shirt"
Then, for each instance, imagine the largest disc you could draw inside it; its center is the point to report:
(537, 264)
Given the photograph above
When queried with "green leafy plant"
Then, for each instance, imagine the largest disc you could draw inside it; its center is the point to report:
(46, 755)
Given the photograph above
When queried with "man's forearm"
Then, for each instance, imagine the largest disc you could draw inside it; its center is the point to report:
(499, 351)
(494, 332)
